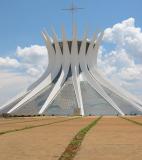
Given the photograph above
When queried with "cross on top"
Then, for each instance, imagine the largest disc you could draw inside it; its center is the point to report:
(72, 9)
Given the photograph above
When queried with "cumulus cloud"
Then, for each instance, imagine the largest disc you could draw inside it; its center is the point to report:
(120, 59)
(11, 85)
(34, 53)
(8, 62)
(127, 36)
(34, 59)
(123, 62)
(33, 71)
(30, 60)
(18, 73)
(132, 73)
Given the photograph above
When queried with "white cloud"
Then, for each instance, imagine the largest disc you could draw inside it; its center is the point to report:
(34, 52)
(16, 74)
(132, 73)
(127, 36)
(33, 71)
(123, 63)
(34, 59)
(30, 60)
(11, 85)
(8, 62)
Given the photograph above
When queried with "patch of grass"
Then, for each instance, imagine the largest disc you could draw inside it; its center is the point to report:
(35, 126)
(75, 143)
(133, 121)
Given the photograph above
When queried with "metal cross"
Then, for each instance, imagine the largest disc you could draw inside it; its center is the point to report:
(72, 9)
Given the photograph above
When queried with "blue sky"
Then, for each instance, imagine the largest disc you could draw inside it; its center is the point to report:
(21, 21)
(23, 56)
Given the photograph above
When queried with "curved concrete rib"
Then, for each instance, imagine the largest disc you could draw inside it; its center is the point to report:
(13, 100)
(108, 85)
(100, 90)
(76, 84)
(95, 84)
(75, 72)
(35, 83)
(93, 50)
(58, 68)
(31, 95)
(51, 58)
(104, 81)
(91, 45)
(96, 48)
(62, 78)
(44, 84)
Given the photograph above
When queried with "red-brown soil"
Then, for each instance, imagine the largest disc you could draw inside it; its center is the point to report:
(42, 143)
(112, 138)
(21, 123)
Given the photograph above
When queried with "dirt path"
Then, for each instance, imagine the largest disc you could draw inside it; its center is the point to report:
(25, 119)
(25, 123)
(135, 118)
(112, 139)
(45, 143)
(3, 120)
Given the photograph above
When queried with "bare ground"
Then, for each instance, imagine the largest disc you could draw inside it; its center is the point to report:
(112, 138)
(21, 123)
(135, 118)
(45, 143)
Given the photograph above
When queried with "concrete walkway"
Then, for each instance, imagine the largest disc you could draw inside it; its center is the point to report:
(112, 138)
